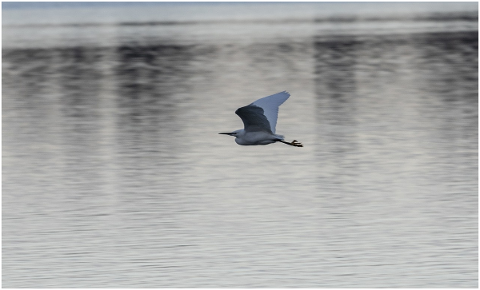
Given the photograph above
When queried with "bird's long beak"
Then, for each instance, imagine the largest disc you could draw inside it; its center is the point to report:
(230, 134)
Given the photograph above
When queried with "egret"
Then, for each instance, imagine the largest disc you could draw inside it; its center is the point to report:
(259, 120)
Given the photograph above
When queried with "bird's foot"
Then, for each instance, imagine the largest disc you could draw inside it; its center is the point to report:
(296, 143)
(293, 143)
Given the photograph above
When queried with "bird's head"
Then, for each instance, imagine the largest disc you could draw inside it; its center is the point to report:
(234, 133)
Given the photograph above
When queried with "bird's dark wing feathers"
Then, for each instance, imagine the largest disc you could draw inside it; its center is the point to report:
(253, 118)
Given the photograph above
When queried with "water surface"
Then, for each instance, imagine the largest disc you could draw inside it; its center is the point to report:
(114, 174)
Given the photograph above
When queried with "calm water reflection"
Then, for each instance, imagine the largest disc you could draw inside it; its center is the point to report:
(114, 174)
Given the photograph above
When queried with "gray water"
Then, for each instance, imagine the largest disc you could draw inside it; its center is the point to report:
(114, 174)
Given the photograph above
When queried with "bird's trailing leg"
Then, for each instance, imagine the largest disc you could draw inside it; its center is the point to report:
(293, 143)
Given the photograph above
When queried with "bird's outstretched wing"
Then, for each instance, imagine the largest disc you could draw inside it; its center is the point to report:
(253, 119)
(270, 106)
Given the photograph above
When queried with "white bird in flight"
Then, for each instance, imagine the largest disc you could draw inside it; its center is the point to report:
(259, 119)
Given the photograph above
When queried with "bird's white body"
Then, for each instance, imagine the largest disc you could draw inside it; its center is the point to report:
(256, 138)
(260, 119)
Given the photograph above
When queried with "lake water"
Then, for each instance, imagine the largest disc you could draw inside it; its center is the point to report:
(114, 174)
